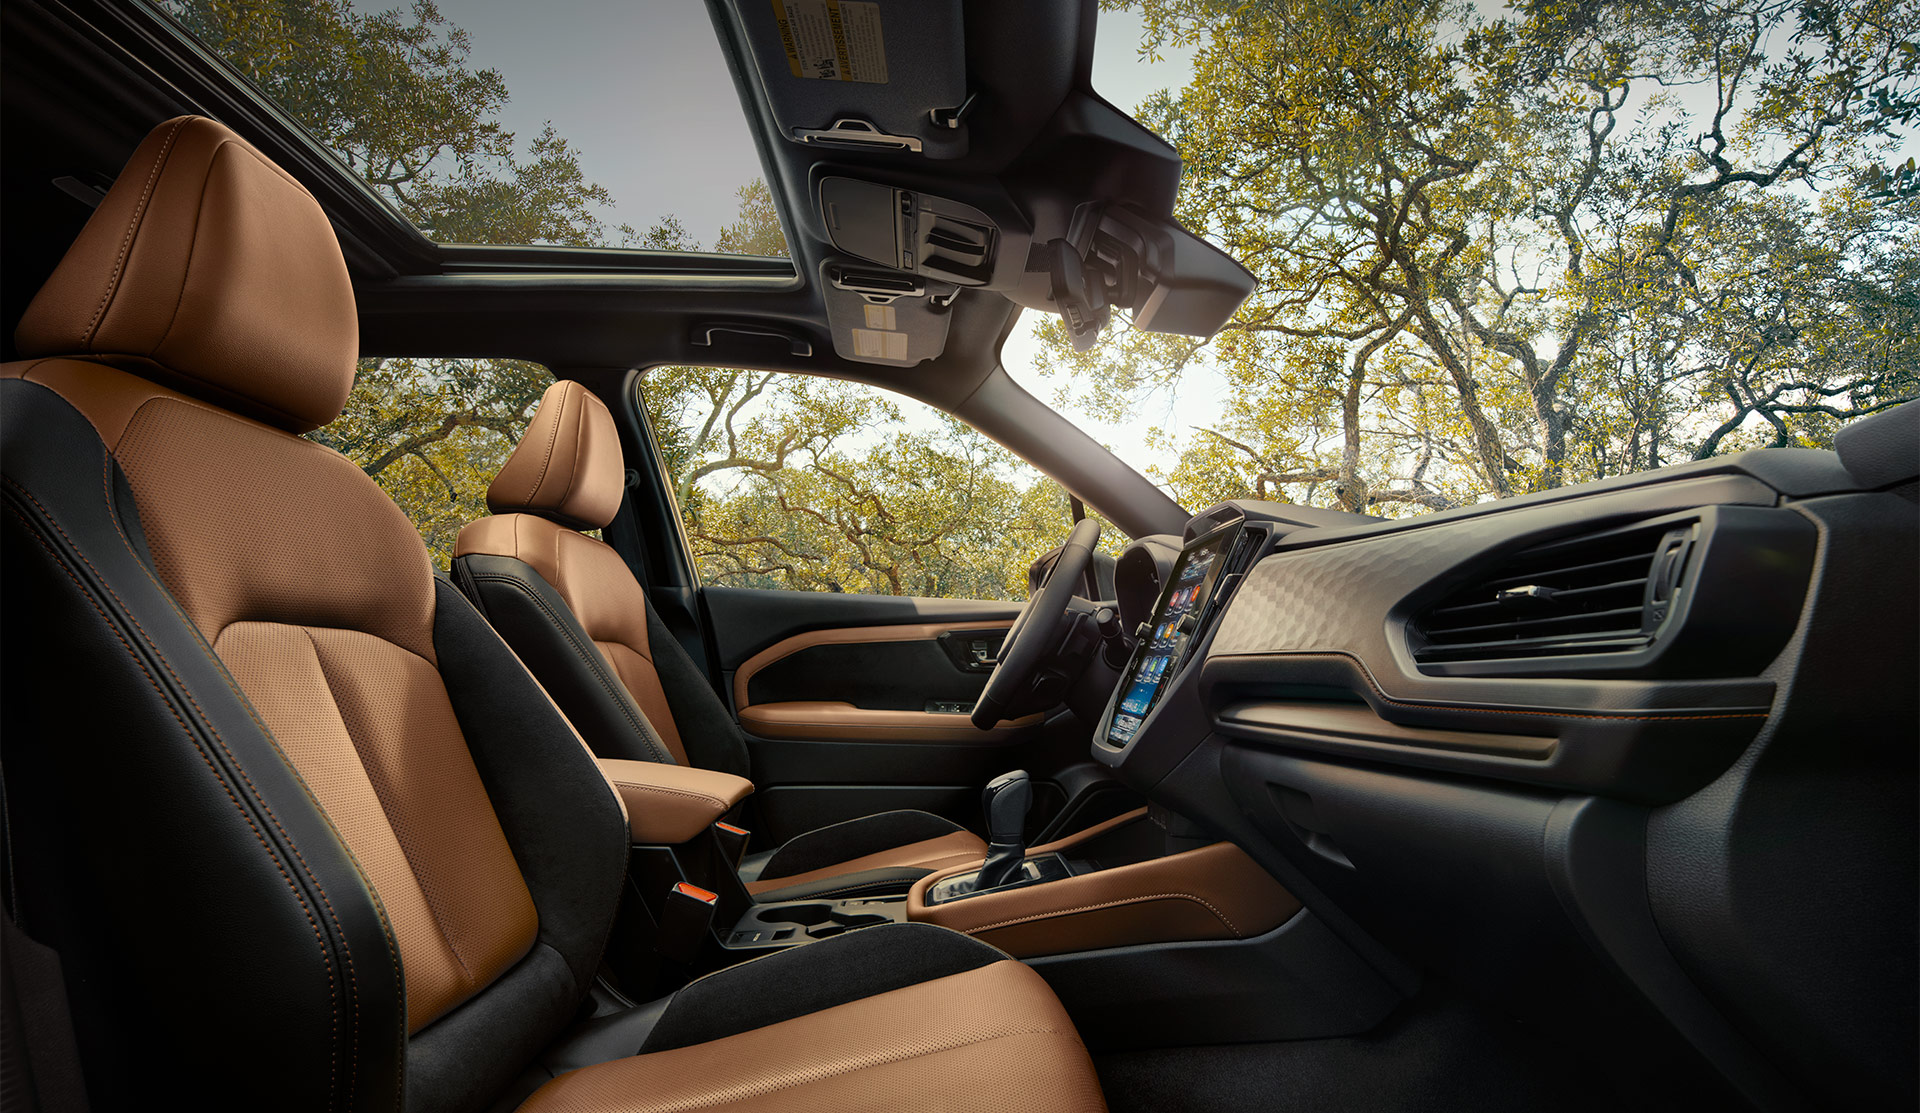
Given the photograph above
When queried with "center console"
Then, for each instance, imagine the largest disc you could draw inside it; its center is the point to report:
(1126, 882)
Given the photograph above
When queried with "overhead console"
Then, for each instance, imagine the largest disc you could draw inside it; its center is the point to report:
(962, 150)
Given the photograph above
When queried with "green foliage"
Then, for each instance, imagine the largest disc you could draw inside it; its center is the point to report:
(1501, 253)
(434, 433)
(392, 93)
(785, 481)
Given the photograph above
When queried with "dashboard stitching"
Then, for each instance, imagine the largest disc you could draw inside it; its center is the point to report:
(1542, 713)
(1221, 916)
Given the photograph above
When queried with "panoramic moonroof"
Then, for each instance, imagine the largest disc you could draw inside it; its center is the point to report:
(587, 123)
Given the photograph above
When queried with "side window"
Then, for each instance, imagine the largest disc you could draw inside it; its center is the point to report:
(434, 433)
(800, 483)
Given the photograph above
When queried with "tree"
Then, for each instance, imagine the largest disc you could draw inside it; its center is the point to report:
(1502, 254)
(813, 484)
(783, 480)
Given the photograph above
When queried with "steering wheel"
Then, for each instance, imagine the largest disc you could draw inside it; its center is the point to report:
(1037, 628)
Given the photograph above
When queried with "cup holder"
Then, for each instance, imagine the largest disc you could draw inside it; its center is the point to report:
(819, 918)
(806, 915)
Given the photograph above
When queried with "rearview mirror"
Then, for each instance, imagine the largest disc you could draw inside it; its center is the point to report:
(1169, 279)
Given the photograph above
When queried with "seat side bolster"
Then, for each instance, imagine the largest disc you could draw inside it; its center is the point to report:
(707, 729)
(533, 770)
(137, 762)
(526, 610)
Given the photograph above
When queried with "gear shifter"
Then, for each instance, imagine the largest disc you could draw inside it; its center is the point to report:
(1005, 802)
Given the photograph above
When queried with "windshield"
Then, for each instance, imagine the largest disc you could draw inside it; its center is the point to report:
(1504, 249)
(585, 123)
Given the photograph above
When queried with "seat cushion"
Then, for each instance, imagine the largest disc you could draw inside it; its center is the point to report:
(983, 1033)
(875, 853)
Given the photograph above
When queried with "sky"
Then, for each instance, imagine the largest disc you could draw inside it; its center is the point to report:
(647, 100)
(642, 91)
(638, 86)
(1125, 78)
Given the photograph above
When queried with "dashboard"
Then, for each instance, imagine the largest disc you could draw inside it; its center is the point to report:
(1593, 751)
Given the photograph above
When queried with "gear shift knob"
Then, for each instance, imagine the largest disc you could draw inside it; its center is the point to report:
(1005, 802)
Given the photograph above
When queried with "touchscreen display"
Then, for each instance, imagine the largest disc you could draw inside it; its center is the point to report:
(1174, 620)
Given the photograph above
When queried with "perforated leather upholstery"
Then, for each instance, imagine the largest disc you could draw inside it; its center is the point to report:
(304, 832)
(572, 609)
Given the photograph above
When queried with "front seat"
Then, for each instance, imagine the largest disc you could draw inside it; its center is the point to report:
(570, 607)
(303, 832)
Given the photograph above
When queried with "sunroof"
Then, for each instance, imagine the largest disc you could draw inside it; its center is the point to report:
(588, 123)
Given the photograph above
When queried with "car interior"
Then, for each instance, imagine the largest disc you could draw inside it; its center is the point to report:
(1596, 797)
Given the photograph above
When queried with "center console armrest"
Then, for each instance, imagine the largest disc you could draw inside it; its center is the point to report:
(672, 804)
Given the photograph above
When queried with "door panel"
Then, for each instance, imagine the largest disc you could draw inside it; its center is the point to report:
(837, 696)
(900, 667)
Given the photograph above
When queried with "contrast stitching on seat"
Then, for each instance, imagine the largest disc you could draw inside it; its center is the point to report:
(333, 992)
(1111, 904)
(133, 227)
(579, 446)
(186, 691)
(553, 435)
(714, 800)
(590, 656)
(327, 678)
(220, 669)
(186, 272)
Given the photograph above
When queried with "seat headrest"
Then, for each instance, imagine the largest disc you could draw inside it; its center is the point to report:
(210, 270)
(568, 467)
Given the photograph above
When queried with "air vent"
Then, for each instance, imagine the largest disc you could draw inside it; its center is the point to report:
(1601, 593)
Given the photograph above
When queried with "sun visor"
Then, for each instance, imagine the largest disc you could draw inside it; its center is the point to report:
(886, 317)
(854, 74)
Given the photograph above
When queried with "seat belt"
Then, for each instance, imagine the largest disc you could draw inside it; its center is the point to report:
(39, 1060)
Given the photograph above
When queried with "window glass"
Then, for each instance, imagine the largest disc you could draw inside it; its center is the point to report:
(434, 432)
(1505, 247)
(504, 122)
(801, 483)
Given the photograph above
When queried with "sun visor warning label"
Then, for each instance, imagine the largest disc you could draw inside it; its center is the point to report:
(832, 40)
(874, 344)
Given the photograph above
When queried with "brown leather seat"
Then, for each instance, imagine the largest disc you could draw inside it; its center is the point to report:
(570, 607)
(304, 832)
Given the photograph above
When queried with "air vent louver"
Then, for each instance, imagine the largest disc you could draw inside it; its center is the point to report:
(1601, 593)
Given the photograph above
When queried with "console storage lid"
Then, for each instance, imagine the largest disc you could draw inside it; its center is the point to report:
(669, 804)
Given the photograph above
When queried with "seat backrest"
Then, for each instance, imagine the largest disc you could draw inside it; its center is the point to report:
(571, 608)
(281, 799)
